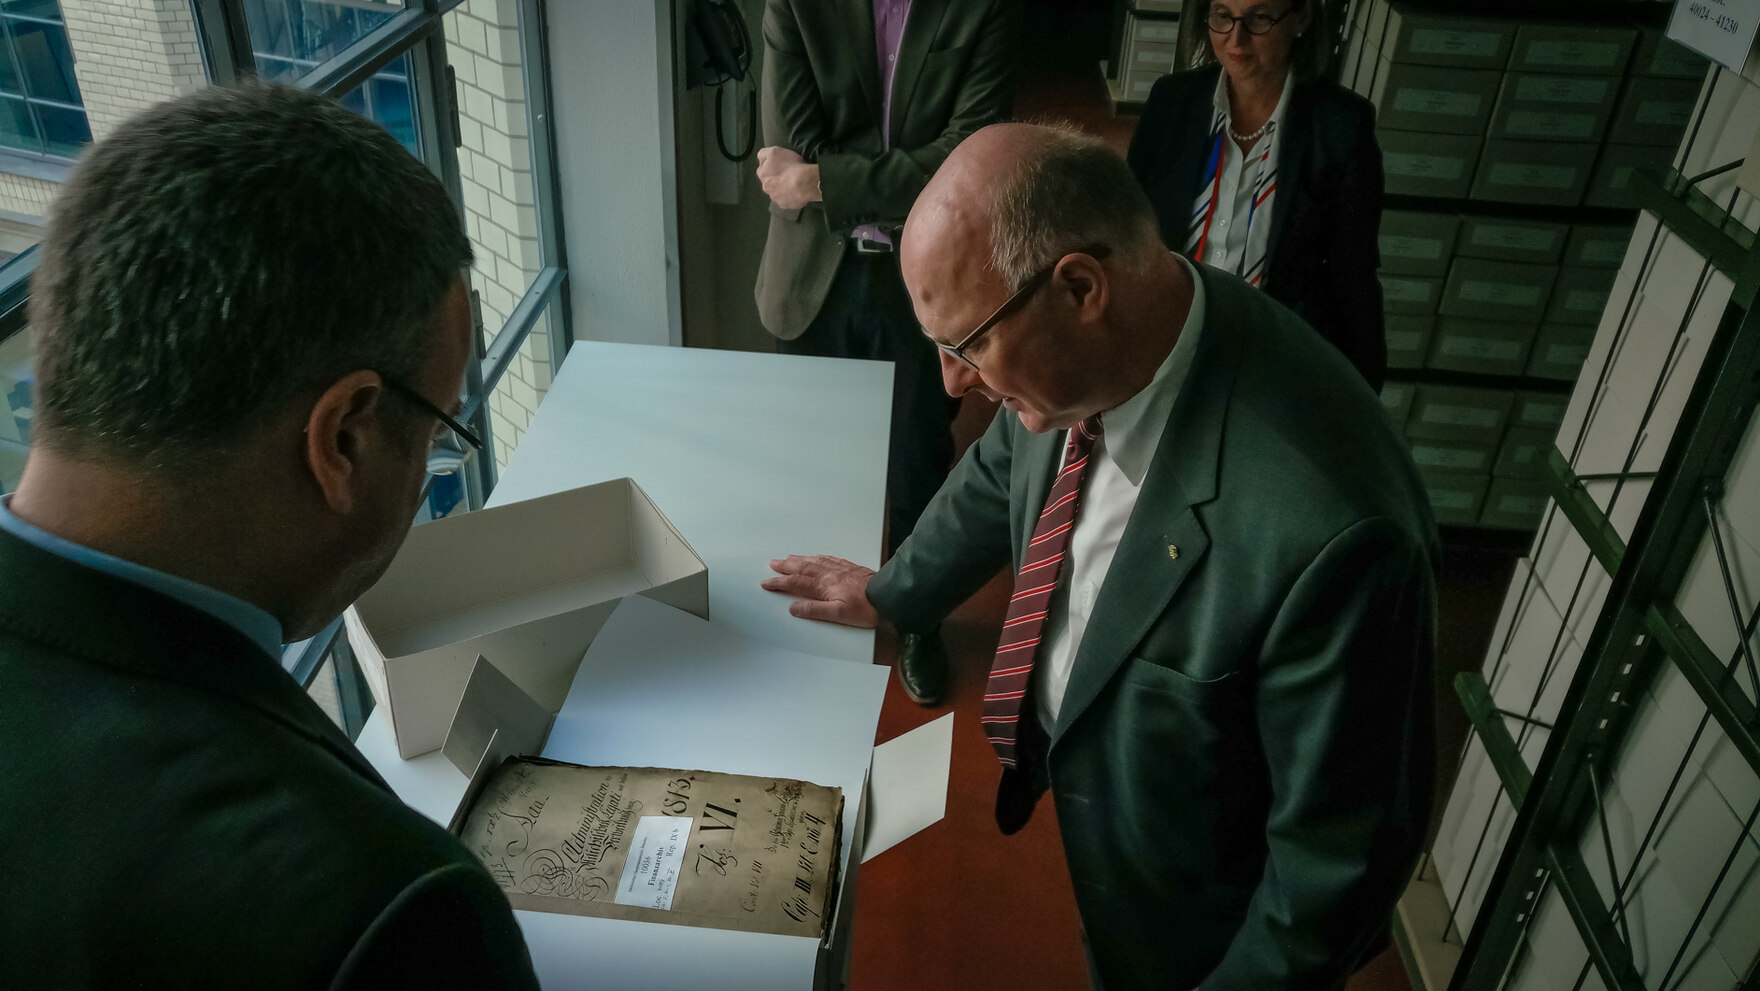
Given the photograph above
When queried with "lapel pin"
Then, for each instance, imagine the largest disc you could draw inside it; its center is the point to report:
(1173, 551)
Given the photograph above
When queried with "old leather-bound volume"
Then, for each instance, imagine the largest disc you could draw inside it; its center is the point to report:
(692, 848)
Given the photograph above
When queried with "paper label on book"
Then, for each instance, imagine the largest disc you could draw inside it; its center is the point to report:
(1561, 89)
(1404, 340)
(1566, 354)
(1532, 176)
(1424, 166)
(1402, 246)
(1542, 414)
(1461, 416)
(1500, 293)
(1452, 498)
(1489, 348)
(1443, 41)
(1401, 290)
(1604, 252)
(1663, 113)
(1522, 505)
(1512, 237)
(1549, 123)
(1585, 300)
(694, 848)
(656, 854)
(1411, 99)
(1579, 54)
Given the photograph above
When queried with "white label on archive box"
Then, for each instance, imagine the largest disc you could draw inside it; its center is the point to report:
(656, 856)
(1720, 30)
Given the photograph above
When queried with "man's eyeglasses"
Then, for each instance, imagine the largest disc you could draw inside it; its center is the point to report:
(1015, 301)
(443, 458)
(1255, 22)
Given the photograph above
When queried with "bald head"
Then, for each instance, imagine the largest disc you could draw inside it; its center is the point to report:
(1012, 198)
(1040, 237)
(951, 225)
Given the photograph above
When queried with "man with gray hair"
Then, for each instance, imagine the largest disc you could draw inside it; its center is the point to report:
(1218, 653)
(251, 325)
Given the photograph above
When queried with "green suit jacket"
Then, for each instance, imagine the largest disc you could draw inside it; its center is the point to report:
(176, 813)
(1241, 764)
(822, 99)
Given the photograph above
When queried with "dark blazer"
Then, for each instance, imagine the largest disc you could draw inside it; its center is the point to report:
(175, 813)
(821, 98)
(1241, 765)
(1327, 213)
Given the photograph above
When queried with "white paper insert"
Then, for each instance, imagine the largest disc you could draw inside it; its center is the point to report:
(656, 856)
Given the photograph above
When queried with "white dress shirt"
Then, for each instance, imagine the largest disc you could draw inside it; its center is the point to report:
(1116, 468)
(1240, 176)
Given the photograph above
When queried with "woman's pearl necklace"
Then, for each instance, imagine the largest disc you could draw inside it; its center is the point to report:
(1247, 138)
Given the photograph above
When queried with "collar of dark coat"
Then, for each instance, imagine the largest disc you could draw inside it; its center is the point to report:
(106, 621)
(921, 27)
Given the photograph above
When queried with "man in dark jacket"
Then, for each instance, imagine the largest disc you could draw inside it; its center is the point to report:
(1218, 653)
(249, 314)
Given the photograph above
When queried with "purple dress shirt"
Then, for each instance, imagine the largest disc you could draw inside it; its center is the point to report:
(889, 16)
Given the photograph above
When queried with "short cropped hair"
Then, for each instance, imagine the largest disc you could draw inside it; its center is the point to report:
(226, 253)
(1068, 194)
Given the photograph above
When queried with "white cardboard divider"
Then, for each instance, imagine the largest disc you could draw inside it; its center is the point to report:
(545, 575)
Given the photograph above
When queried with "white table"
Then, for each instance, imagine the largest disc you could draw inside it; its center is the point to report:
(752, 457)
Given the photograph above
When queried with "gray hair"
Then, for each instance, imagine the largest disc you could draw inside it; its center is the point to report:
(224, 254)
(1067, 194)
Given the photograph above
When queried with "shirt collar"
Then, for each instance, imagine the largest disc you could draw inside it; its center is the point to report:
(1220, 100)
(261, 628)
(1133, 428)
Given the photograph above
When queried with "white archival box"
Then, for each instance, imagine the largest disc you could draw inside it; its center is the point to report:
(544, 576)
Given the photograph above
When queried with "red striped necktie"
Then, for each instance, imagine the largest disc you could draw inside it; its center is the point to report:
(1033, 585)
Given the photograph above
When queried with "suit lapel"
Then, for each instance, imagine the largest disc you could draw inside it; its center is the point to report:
(858, 19)
(1292, 153)
(921, 27)
(1189, 127)
(1164, 539)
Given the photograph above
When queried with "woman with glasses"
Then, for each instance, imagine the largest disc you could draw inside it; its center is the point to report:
(1258, 166)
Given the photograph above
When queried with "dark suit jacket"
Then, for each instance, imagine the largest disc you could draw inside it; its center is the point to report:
(1325, 219)
(821, 98)
(1241, 765)
(175, 813)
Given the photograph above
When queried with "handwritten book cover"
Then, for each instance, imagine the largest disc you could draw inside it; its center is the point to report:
(691, 848)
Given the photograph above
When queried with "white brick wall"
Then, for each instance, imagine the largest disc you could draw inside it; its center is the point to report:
(500, 208)
(128, 55)
(131, 54)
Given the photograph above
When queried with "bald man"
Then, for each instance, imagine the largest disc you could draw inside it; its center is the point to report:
(1218, 658)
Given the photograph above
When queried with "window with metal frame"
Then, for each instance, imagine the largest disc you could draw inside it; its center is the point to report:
(41, 111)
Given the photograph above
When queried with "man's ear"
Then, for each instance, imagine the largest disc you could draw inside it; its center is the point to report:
(340, 429)
(1082, 282)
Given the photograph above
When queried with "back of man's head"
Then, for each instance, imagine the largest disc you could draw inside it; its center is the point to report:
(1066, 191)
(223, 255)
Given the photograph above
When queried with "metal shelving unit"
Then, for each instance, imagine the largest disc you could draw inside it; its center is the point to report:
(1638, 630)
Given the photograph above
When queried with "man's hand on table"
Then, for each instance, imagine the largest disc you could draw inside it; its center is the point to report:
(825, 588)
(790, 181)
